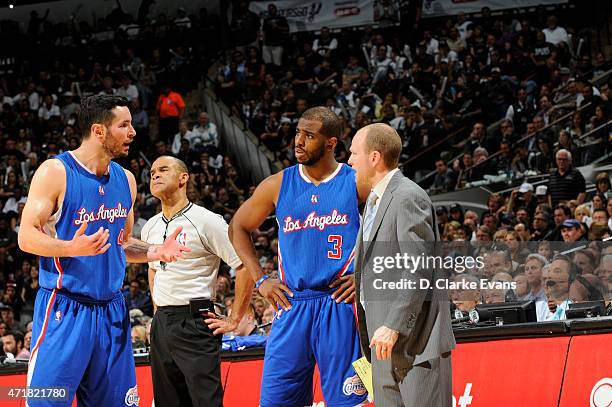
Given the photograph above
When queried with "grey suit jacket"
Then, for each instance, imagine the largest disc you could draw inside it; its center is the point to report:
(405, 214)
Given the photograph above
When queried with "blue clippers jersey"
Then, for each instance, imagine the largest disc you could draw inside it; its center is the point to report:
(318, 227)
(101, 202)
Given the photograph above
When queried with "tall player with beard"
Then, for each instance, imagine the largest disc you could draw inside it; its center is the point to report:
(316, 209)
(78, 219)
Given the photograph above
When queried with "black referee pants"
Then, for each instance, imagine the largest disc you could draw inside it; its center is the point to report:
(185, 360)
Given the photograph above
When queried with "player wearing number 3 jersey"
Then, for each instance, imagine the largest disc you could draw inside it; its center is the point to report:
(317, 212)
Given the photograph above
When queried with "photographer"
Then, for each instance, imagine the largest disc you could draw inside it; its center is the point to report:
(185, 351)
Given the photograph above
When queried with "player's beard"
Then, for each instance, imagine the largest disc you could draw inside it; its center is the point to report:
(314, 157)
(113, 147)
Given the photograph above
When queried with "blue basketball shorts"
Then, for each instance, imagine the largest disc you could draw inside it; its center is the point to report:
(84, 346)
(314, 330)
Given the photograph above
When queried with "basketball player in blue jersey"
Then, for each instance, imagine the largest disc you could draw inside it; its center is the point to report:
(316, 210)
(78, 219)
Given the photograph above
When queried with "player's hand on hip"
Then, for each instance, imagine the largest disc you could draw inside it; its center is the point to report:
(384, 340)
(171, 250)
(276, 293)
(89, 245)
(220, 324)
(345, 290)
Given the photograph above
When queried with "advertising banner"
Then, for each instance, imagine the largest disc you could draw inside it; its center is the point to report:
(439, 8)
(312, 15)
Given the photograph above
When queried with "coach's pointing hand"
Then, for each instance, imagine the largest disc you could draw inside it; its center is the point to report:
(274, 291)
(89, 245)
(171, 250)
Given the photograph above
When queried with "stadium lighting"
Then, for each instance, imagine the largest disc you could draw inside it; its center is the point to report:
(11, 5)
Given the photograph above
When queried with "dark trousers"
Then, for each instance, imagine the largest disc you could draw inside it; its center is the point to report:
(168, 127)
(185, 360)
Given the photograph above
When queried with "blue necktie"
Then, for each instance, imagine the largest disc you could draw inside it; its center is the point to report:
(370, 214)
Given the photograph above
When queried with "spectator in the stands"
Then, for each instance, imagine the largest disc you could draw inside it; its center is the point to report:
(571, 230)
(444, 180)
(275, 30)
(248, 324)
(138, 299)
(585, 261)
(170, 107)
(566, 182)
(126, 89)
(325, 44)
(183, 134)
(244, 27)
(205, 133)
(558, 280)
(555, 34)
(541, 226)
(12, 342)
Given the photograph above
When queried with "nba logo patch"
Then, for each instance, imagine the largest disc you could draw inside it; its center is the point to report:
(101, 190)
(314, 199)
(58, 315)
(182, 238)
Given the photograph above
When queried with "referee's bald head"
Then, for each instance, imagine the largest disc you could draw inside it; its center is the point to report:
(180, 164)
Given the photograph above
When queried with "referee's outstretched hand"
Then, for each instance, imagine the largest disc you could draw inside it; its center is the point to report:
(171, 250)
(276, 293)
(89, 245)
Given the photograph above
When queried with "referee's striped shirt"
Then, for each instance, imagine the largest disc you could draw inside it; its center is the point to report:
(205, 233)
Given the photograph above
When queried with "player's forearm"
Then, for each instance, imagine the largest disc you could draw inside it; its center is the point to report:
(243, 245)
(34, 241)
(137, 251)
(243, 294)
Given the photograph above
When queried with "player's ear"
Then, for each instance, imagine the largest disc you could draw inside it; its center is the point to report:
(332, 142)
(98, 130)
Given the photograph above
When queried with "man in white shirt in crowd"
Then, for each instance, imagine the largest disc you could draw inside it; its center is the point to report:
(49, 109)
(206, 131)
(463, 25)
(185, 351)
(431, 43)
(184, 133)
(555, 34)
(33, 97)
(126, 89)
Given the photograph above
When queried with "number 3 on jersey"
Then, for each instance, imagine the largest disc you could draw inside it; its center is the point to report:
(336, 252)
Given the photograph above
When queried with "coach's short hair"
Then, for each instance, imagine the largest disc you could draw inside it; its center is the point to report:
(331, 126)
(97, 109)
(384, 139)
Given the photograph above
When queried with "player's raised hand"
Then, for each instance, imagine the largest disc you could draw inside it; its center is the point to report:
(276, 293)
(89, 245)
(171, 250)
(345, 290)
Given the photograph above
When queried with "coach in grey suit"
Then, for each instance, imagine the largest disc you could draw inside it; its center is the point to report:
(410, 331)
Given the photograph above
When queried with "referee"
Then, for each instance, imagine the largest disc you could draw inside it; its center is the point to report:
(185, 359)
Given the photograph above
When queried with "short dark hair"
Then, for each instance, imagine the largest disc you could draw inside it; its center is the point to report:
(566, 209)
(17, 335)
(330, 123)
(98, 109)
